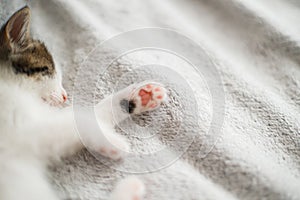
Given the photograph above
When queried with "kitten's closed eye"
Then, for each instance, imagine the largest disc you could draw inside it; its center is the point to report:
(29, 70)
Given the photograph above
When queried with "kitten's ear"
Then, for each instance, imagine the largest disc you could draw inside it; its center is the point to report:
(17, 30)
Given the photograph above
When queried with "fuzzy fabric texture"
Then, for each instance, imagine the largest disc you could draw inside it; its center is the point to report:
(255, 45)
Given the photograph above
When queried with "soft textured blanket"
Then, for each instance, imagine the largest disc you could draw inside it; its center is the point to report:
(253, 151)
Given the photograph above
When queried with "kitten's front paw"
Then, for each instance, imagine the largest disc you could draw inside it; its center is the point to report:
(146, 98)
(130, 188)
(115, 148)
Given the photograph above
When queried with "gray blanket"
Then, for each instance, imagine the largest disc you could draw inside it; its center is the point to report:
(252, 151)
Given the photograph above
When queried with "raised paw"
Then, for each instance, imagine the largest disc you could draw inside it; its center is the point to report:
(114, 148)
(130, 188)
(146, 98)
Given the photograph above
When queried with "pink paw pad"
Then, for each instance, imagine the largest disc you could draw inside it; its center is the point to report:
(149, 97)
(111, 153)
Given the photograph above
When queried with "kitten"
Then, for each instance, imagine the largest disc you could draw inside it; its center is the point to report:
(34, 132)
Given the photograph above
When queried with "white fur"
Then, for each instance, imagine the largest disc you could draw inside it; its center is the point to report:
(33, 133)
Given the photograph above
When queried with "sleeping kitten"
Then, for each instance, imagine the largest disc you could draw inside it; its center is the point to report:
(35, 132)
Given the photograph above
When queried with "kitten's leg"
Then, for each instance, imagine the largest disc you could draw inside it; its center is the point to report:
(117, 107)
(130, 188)
(60, 135)
(23, 179)
(134, 99)
(57, 132)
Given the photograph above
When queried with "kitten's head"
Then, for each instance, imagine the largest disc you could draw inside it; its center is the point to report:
(27, 62)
